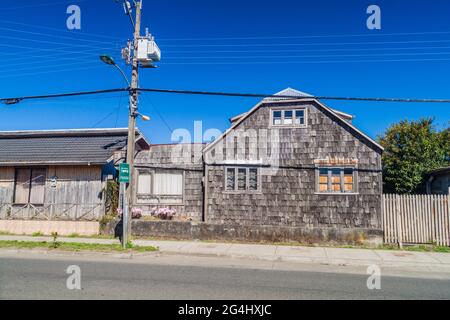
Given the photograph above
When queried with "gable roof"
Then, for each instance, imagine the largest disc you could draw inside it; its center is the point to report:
(289, 92)
(63, 147)
(340, 116)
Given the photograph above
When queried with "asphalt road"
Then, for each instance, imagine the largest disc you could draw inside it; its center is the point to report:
(44, 277)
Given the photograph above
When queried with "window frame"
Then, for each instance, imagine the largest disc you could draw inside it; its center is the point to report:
(247, 179)
(294, 110)
(152, 174)
(30, 169)
(330, 189)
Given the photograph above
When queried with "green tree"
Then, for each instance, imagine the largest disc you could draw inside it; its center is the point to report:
(412, 148)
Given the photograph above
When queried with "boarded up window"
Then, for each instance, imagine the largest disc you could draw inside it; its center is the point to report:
(336, 180)
(168, 184)
(145, 183)
(29, 186)
(348, 180)
(323, 180)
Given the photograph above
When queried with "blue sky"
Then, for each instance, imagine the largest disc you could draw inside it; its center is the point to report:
(320, 47)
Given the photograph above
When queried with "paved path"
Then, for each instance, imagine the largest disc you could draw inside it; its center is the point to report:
(32, 275)
(429, 261)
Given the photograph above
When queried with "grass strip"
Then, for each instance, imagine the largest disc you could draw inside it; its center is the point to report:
(74, 246)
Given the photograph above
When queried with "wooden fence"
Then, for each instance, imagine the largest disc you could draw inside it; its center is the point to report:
(56, 212)
(416, 219)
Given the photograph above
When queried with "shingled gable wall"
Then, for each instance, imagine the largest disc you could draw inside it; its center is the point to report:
(288, 195)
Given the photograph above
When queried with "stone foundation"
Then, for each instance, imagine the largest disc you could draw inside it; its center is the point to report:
(205, 231)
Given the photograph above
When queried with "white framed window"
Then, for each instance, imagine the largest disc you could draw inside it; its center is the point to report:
(160, 183)
(144, 183)
(277, 118)
(240, 179)
(336, 180)
(289, 117)
(168, 184)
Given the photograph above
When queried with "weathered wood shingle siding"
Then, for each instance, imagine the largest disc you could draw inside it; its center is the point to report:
(185, 158)
(288, 198)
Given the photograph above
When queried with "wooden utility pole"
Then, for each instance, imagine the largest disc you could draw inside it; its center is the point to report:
(133, 113)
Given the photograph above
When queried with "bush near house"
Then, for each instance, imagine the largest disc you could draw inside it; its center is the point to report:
(413, 148)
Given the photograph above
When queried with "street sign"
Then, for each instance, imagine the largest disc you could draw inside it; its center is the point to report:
(124, 173)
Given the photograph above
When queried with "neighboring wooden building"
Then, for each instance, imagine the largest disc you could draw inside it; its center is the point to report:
(438, 181)
(294, 163)
(58, 175)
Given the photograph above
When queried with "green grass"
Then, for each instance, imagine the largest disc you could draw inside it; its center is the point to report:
(37, 234)
(68, 246)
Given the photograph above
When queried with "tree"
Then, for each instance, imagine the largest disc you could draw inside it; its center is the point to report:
(411, 150)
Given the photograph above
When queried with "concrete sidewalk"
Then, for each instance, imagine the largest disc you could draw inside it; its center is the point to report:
(294, 254)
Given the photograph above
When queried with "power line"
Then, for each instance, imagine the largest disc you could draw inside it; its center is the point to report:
(158, 113)
(303, 44)
(300, 62)
(49, 71)
(60, 95)
(258, 95)
(39, 5)
(307, 36)
(310, 56)
(54, 36)
(306, 50)
(58, 30)
(224, 94)
(53, 42)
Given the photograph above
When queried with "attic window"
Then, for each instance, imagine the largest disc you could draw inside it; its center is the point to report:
(289, 117)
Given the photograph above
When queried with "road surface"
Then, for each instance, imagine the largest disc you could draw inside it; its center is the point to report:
(43, 276)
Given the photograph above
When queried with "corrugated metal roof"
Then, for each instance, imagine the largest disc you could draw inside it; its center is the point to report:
(60, 146)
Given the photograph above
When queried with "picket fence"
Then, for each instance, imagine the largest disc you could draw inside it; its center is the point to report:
(416, 219)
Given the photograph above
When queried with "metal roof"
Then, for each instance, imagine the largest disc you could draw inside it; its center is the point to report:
(62, 147)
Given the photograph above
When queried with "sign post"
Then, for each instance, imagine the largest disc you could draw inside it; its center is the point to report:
(124, 178)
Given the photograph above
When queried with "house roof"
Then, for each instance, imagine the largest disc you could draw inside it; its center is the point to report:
(63, 147)
(443, 170)
(289, 92)
(292, 93)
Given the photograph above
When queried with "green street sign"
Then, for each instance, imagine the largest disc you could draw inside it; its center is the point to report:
(124, 173)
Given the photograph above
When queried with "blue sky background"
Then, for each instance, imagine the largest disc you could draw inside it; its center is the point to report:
(320, 47)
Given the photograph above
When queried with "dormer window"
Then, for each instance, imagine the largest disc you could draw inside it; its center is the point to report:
(289, 117)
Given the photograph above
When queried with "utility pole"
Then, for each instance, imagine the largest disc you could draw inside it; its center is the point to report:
(133, 113)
